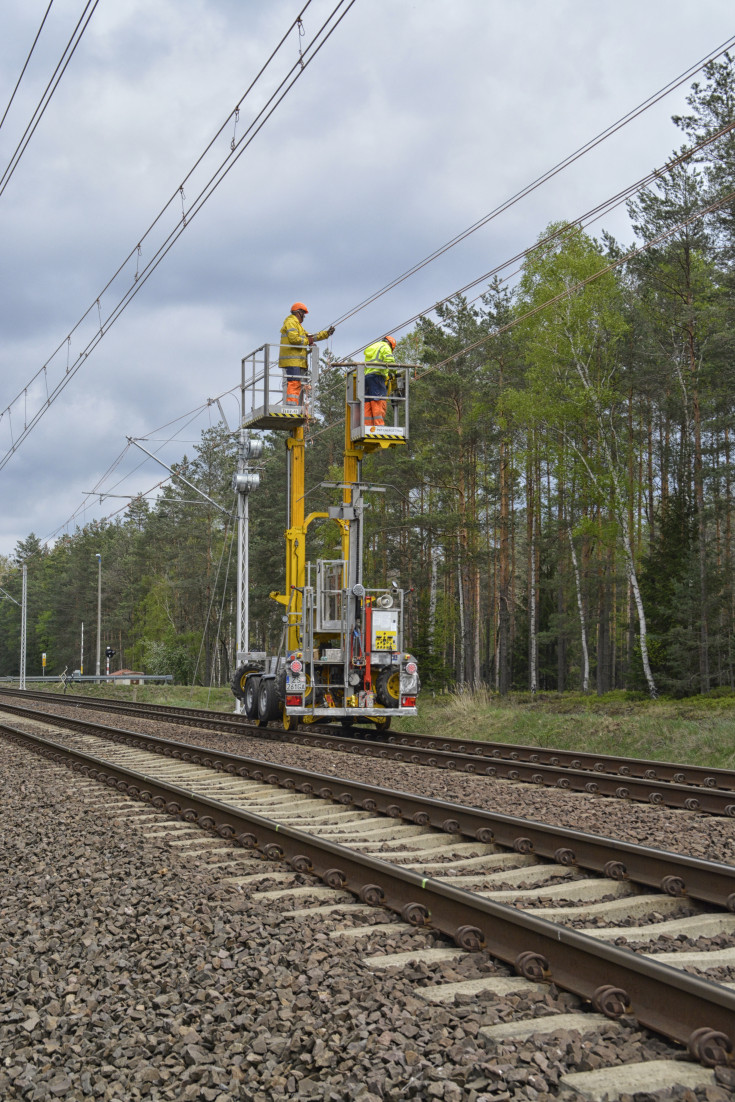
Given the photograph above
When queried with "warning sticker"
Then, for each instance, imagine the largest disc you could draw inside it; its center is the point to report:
(385, 640)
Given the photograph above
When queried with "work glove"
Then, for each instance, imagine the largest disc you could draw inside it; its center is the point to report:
(310, 340)
(330, 330)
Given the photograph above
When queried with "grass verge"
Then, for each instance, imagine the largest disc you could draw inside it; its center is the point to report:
(699, 730)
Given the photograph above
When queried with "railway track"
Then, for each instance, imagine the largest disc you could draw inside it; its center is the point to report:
(531, 894)
(691, 788)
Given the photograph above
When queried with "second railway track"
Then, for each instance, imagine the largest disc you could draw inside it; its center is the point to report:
(687, 787)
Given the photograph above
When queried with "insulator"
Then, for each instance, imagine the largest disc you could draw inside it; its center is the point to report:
(246, 481)
(252, 448)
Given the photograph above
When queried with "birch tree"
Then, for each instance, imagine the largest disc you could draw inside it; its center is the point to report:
(573, 373)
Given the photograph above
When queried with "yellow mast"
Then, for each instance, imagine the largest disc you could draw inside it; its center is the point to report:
(353, 456)
(295, 537)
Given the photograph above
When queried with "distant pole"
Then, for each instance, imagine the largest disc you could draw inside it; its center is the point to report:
(81, 653)
(99, 611)
(23, 606)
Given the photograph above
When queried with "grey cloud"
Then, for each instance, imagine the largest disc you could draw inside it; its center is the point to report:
(414, 121)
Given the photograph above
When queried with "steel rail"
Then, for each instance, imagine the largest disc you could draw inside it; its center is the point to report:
(467, 758)
(617, 981)
(673, 874)
(649, 769)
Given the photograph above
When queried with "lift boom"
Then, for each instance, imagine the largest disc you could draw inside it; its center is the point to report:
(342, 654)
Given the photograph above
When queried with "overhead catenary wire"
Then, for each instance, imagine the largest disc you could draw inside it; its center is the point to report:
(592, 215)
(51, 87)
(584, 220)
(142, 463)
(566, 293)
(216, 179)
(581, 284)
(188, 417)
(172, 199)
(544, 177)
(83, 355)
(236, 151)
(25, 66)
(593, 142)
(102, 520)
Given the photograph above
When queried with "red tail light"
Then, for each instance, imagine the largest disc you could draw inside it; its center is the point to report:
(408, 702)
(293, 701)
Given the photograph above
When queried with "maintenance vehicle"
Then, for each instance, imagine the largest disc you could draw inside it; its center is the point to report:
(343, 655)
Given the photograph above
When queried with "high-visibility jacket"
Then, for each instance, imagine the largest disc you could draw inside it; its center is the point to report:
(294, 345)
(378, 358)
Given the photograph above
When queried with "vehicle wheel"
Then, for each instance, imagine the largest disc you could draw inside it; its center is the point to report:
(347, 723)
(238, 682)
(290, 723)
(250, 699)
(382, 724)
(268, 707)
(388, 687)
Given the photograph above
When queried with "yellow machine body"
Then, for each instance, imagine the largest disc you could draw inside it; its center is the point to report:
(342, 655)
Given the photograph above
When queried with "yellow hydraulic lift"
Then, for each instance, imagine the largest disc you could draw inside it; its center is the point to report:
(342, 656)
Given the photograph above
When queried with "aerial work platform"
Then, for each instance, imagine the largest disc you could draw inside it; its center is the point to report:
(395, 429)
(265, 404)
(264, 390)
(341, 655)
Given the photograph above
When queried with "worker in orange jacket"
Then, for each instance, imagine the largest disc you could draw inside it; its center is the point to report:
(294, 343)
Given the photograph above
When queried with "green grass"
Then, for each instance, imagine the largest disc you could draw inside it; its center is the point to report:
(698, 730)
(149, 693)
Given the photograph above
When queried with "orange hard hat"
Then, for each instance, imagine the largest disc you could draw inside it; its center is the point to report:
(391, 341)
(298, 306)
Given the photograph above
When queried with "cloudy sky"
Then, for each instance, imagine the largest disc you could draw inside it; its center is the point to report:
(415, 119)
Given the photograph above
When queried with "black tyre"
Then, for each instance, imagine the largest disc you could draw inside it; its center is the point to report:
(238, 682)
(250, 698)
(268, 708)
(388, 687)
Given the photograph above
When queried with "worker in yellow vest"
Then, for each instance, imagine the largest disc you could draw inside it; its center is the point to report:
(378, 358)
(294, 343)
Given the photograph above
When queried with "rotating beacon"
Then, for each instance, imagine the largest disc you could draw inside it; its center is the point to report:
(342, 656)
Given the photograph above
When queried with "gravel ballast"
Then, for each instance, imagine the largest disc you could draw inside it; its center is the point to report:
(711, 838)
(129, 970)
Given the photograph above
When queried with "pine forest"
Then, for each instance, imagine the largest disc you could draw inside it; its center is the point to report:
(563, 513)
